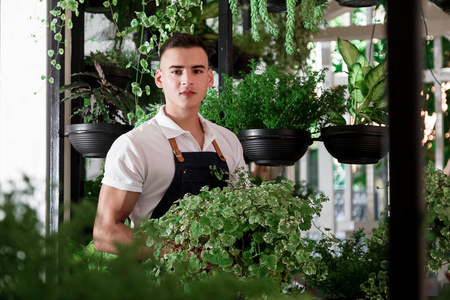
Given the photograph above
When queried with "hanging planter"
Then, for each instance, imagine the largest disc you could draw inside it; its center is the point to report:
(273, 113)
(358, 3)
(443, 4)
(95, 140)
(356, 144)
(274, 147)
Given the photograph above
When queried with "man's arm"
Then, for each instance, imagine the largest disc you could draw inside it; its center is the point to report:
(114, 206)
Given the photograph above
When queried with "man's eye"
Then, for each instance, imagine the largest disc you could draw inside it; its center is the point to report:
(198, 71)
(176, 72)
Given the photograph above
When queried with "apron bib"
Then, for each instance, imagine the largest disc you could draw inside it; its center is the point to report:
(192, 172)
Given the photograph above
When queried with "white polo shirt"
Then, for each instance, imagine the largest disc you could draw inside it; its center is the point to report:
(142, 160)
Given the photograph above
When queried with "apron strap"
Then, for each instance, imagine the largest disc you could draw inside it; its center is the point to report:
(179, 154)
(175, 150)
(219, 152)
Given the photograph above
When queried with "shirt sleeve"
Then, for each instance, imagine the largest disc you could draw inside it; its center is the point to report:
(124, 168)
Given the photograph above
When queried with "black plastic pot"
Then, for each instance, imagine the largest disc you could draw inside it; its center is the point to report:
(357, 3)
(278, 6)
(115, 75)
(443, 4)
(356, 144)
(274, 147)
(94, 140)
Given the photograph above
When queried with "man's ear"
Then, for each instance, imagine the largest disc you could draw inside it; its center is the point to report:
(210, 78)
(158, 80)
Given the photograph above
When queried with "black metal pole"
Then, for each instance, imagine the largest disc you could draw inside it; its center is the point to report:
(406, 242)
(55, 147)
(77, 66)
(225, 45)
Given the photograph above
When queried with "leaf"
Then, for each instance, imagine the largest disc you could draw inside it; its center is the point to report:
(269, 261)
(349, 52)
(71, 86)
(196, 229)
(376, 75)
(356, 80)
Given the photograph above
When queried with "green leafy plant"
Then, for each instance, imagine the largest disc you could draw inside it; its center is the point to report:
(272, 99)
(311, 14)
(437, 198)
(366, 86)
(344, 265)
(103, 104)
(56, 265)
(251, 231)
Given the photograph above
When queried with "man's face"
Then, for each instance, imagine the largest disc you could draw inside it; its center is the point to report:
(184, 75)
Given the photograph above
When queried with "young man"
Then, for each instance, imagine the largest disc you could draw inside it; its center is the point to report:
(157, 163)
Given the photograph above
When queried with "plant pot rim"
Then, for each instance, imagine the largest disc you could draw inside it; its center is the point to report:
(264, 133)
(354, 128)
(357, 3)
(97, 127)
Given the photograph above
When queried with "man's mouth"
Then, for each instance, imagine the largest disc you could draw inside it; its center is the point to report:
(187, 93)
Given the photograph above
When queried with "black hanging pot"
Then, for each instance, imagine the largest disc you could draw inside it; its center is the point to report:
(278, 6)
(356, 144)
(443, 4)
(94, 140)
(274, 147)
(358, 3)
(115, 75)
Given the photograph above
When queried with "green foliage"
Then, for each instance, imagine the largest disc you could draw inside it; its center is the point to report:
(311, 12)
(341, 272)
(437, 198)
(103, 104)
(113, 57)
(251, 231)
(142, 116)
(272, 99)
(34, 265)
(367, 88)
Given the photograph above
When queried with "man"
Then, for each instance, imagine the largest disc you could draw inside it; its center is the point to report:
(155, 164)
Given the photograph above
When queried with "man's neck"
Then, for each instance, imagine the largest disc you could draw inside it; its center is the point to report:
(188, 121)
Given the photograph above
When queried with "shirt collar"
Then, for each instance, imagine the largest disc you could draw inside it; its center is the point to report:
(171, 129)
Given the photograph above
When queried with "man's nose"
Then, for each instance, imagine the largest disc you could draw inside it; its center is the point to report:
(186, 79)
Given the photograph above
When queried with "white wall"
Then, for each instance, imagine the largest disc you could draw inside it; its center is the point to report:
(22, 112)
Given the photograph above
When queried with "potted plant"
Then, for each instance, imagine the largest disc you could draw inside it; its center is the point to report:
(105, 114)
(113, 63)
(360, 142)
(273, 113)
(312, 15)
(248, 230)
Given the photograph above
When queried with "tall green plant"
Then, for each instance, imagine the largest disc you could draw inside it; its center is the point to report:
(366, 86)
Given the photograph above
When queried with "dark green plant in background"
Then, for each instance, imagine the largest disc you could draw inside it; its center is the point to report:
(273, 99)
(341, 272)
(104, 103)
(437, 198)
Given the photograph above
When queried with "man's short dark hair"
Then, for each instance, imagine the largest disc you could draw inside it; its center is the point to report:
(182, 40)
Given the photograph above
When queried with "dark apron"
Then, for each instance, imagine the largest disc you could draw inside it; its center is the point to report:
(192, 172)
